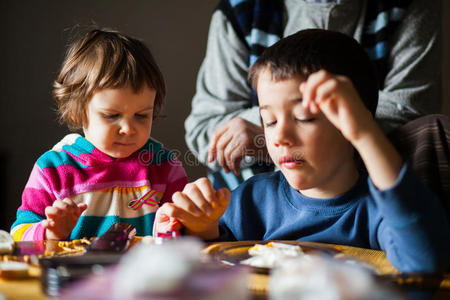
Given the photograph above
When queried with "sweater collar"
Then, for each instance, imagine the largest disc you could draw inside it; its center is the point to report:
(88, 155)
(332, 205)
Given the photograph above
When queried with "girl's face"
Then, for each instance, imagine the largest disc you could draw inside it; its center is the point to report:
(119, 121)
(312, 154)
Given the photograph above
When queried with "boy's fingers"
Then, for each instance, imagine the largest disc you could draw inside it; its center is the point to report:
(182, 201)
(209, 193)
(206, 188)
(172, 210)
(223, 195)
(313, 108)
(312, 83)
(199, 197)
(174, 224)
(163, 213)
(325, 90)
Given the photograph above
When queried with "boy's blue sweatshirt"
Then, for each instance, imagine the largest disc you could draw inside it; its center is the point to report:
(407, 221)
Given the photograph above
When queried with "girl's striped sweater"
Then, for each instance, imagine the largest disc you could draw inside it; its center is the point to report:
(115, 190)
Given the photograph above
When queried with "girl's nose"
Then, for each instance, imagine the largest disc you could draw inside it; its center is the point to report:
(126, 128)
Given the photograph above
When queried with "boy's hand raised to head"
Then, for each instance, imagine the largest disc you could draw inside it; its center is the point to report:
(339, 101)
(198, 207)
(62, 217)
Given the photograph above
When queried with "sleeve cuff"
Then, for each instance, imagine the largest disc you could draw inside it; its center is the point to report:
(401, 204)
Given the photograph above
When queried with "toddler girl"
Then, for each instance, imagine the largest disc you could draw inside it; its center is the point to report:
(111, 88)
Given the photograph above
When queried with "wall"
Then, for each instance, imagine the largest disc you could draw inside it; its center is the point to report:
(34, 35)
(446, 56)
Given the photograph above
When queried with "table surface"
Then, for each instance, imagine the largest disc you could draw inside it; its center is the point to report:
(435, 287)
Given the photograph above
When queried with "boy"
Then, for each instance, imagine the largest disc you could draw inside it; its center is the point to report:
(314, 120)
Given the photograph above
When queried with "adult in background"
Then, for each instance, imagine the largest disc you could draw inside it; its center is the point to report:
(402, 38)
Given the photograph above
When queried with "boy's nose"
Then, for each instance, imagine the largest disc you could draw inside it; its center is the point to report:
(284, 135)
(126, 128)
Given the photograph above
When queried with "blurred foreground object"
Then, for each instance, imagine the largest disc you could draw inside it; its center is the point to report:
(173, 269)
(323, 278)
(6, 242)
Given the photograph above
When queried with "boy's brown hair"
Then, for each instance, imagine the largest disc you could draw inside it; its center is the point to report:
(101, 59)
(311, 50)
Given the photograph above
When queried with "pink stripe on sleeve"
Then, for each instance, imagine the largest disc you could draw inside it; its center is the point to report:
(35, 233)
(66, 177)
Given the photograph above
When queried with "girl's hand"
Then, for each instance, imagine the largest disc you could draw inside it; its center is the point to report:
(62, 217)
(339, 101)
(198, 207)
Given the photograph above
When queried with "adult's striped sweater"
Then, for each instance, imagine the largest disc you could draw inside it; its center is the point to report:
(115, 189)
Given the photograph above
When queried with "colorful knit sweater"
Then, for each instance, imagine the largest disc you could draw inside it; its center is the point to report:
(115, 190)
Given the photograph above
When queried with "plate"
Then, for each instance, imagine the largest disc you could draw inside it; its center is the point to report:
(232, 253)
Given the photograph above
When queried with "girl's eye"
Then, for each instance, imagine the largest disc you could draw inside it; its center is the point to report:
(141, 116)
(110, 117)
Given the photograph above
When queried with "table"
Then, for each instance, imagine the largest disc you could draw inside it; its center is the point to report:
(416, 286)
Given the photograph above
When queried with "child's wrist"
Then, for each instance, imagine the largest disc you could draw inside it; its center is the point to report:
(209, 234)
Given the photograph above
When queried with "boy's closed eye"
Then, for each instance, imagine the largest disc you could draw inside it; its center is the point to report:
(305, 120)
(302, 119)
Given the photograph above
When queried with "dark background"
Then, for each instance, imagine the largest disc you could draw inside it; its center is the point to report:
(33, 38)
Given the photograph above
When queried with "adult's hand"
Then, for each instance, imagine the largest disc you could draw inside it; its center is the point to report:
(234, 140)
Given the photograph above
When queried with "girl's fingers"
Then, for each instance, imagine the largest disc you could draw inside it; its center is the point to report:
(44, 223)
(51, 211)
(48, 223)
(69, 203)
(60, 204)
(82, 207)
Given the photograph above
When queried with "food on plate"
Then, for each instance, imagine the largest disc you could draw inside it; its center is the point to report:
(271, 254)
